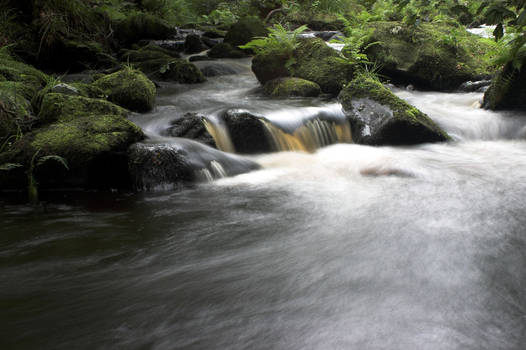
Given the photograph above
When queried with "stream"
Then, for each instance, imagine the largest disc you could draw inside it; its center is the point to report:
(346, 247)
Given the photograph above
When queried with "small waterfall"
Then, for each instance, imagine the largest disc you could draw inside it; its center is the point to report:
(291, 129)
(220, 134)
(309, 137)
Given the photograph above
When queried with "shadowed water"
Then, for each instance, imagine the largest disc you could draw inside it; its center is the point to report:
(350, 247)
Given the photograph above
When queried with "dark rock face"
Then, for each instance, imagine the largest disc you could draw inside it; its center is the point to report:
(198, 58)
(508, 90)
(225, 50)
(193, 44)
(378, 117)
(214, 69)
(247, 132)
(270, 65)
(143, 26)
(245, 30)
(191, 126)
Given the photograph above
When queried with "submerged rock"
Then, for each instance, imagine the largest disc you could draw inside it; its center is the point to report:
(433, 56)
(378, 117)
(214, 69)
(129, 88)
(289, 87)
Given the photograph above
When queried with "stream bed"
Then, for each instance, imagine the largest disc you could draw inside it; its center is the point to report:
(348, 247)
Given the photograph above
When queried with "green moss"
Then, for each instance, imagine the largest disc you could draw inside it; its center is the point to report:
(60, 107)
(13, 70)
(15, 109)
(146, 53)
(129, 88)
(286, 87)
(79, 141)
(245, 30)
(431, 55)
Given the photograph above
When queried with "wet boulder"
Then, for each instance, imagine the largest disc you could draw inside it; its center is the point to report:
(378, 117)
(507, 90)
(214, 69)
(30, 77)
(129, 88)
(247, 132)
(225, 50)
(182, 163)
(245, 30)
(430, 56)
(191, 126)
(271, 65)
(76, 55)
(291, 87)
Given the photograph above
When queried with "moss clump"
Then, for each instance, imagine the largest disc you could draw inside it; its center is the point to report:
(60, 107)
(129, 88)
(224, 50)
(287, 87)
(15, 109)
(13, 70)
(145, 53)
(379, 117)
(142, 26)
(434, 56)
(245, 30)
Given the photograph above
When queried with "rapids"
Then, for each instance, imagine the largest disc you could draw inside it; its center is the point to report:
(344, 247)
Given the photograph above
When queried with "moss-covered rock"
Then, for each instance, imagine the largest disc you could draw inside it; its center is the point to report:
(143, 26)
(191, 126)
(12, 70)
(432, 56)
(379, 117)
(507, 90)
(193, 44)
(129, 88)
(60, 107)
(94, 147)
(15, 109)
(288, 87)
(147, 52)
(313, 61)
(245, 30)
(225, 50)
(77, 55)
(317, 62)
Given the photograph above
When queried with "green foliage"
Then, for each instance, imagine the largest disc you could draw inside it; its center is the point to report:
(278, 40)
(32, 184)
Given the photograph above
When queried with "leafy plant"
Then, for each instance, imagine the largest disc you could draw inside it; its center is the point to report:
(32, 184)
(279, 39)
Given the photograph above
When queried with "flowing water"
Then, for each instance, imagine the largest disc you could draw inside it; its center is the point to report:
(347, 247)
